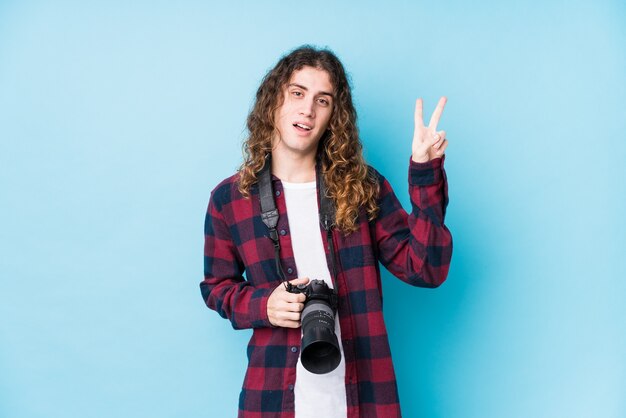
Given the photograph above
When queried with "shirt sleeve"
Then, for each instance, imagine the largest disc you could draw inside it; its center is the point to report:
(416, 247)
(224, 289)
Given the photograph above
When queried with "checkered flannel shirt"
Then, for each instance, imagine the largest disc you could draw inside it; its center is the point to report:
(415, 247)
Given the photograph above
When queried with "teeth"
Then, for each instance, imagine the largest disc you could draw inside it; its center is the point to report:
(303, 126)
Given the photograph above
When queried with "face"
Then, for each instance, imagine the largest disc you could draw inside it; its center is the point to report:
(305, 113)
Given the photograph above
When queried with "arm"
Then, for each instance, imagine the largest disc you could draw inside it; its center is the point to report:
(416, 247)
(224, 289)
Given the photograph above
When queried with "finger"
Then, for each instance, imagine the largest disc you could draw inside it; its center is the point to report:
(288, 324)
(295, 307)
(288, 316)
(294, 297)
(285, 306)
(299, 280)
(442, 149)
(281, 314)
(434, 119)
(419, 120)
(433, 139)
(439, 138)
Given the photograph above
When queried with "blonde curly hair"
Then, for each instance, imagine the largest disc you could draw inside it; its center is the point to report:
(351, 185)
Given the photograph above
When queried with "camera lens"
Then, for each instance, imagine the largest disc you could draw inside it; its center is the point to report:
(320, 348)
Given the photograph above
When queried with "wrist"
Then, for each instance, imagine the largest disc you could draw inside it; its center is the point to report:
(420, 158)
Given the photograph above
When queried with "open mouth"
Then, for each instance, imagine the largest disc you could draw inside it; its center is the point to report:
(302, 127)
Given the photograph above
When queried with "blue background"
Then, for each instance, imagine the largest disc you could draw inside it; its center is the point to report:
(117, 119)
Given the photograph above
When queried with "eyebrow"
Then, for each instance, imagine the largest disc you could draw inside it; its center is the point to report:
(305, 89)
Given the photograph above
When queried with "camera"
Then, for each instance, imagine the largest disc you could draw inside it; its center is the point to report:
(320, 349)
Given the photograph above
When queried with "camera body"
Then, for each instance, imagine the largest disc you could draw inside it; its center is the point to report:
(320, 348)
(315, 290)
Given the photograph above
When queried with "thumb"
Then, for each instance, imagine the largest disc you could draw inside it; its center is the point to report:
(299, 280)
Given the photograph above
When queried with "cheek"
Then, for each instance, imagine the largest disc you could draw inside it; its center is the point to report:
(283, 113)
(279, 118)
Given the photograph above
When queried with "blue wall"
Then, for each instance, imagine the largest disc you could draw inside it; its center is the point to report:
(117, 120)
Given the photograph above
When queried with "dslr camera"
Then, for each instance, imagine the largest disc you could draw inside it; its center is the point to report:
(320, 349)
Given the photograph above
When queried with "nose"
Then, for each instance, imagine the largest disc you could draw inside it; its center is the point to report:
(307, 108)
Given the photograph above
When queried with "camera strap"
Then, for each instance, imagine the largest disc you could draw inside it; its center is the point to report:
(269, 213)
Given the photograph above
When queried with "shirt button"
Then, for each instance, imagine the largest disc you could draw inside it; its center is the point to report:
(294, 349)
(277, 193)
(289, 270)
(291, 387)
(283, 232)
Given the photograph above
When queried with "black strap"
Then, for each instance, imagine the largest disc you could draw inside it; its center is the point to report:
(269, 213)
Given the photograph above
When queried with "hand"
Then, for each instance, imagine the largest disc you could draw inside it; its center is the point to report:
(283, 308)
(427, 142)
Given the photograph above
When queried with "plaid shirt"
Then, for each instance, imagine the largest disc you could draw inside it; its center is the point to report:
(415, 247)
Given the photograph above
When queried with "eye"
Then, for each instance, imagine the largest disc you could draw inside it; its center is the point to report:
(296, 93)
(324, 102)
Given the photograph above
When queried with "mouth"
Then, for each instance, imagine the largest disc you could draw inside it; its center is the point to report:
(302, 127)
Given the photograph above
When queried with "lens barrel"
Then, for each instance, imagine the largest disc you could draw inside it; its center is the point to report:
(320, 348)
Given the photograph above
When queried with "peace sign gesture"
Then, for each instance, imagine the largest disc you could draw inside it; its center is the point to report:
(427, 142)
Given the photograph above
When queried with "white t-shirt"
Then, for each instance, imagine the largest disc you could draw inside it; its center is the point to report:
(316, 395)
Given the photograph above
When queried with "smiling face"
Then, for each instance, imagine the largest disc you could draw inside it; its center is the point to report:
(304, 115)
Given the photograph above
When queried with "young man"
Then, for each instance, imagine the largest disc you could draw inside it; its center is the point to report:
(303, 126)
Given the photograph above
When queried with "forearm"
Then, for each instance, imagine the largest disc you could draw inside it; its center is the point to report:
(416, 247)
(224, 289)
(237, 300)
(432, 252)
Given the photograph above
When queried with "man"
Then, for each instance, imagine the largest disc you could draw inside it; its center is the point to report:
(303, 126)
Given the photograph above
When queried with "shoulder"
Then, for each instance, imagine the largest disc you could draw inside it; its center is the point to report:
(379, 179)
(375, 174)
(226, 192)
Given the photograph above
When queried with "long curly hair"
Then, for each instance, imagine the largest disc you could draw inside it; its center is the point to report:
(351, 185)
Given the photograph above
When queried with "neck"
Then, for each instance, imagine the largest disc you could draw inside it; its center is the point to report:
(294, 169)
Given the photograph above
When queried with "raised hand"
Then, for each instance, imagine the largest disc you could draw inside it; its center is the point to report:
(428, 143)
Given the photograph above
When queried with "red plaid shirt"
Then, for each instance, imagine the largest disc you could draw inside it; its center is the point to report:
(415, 247)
